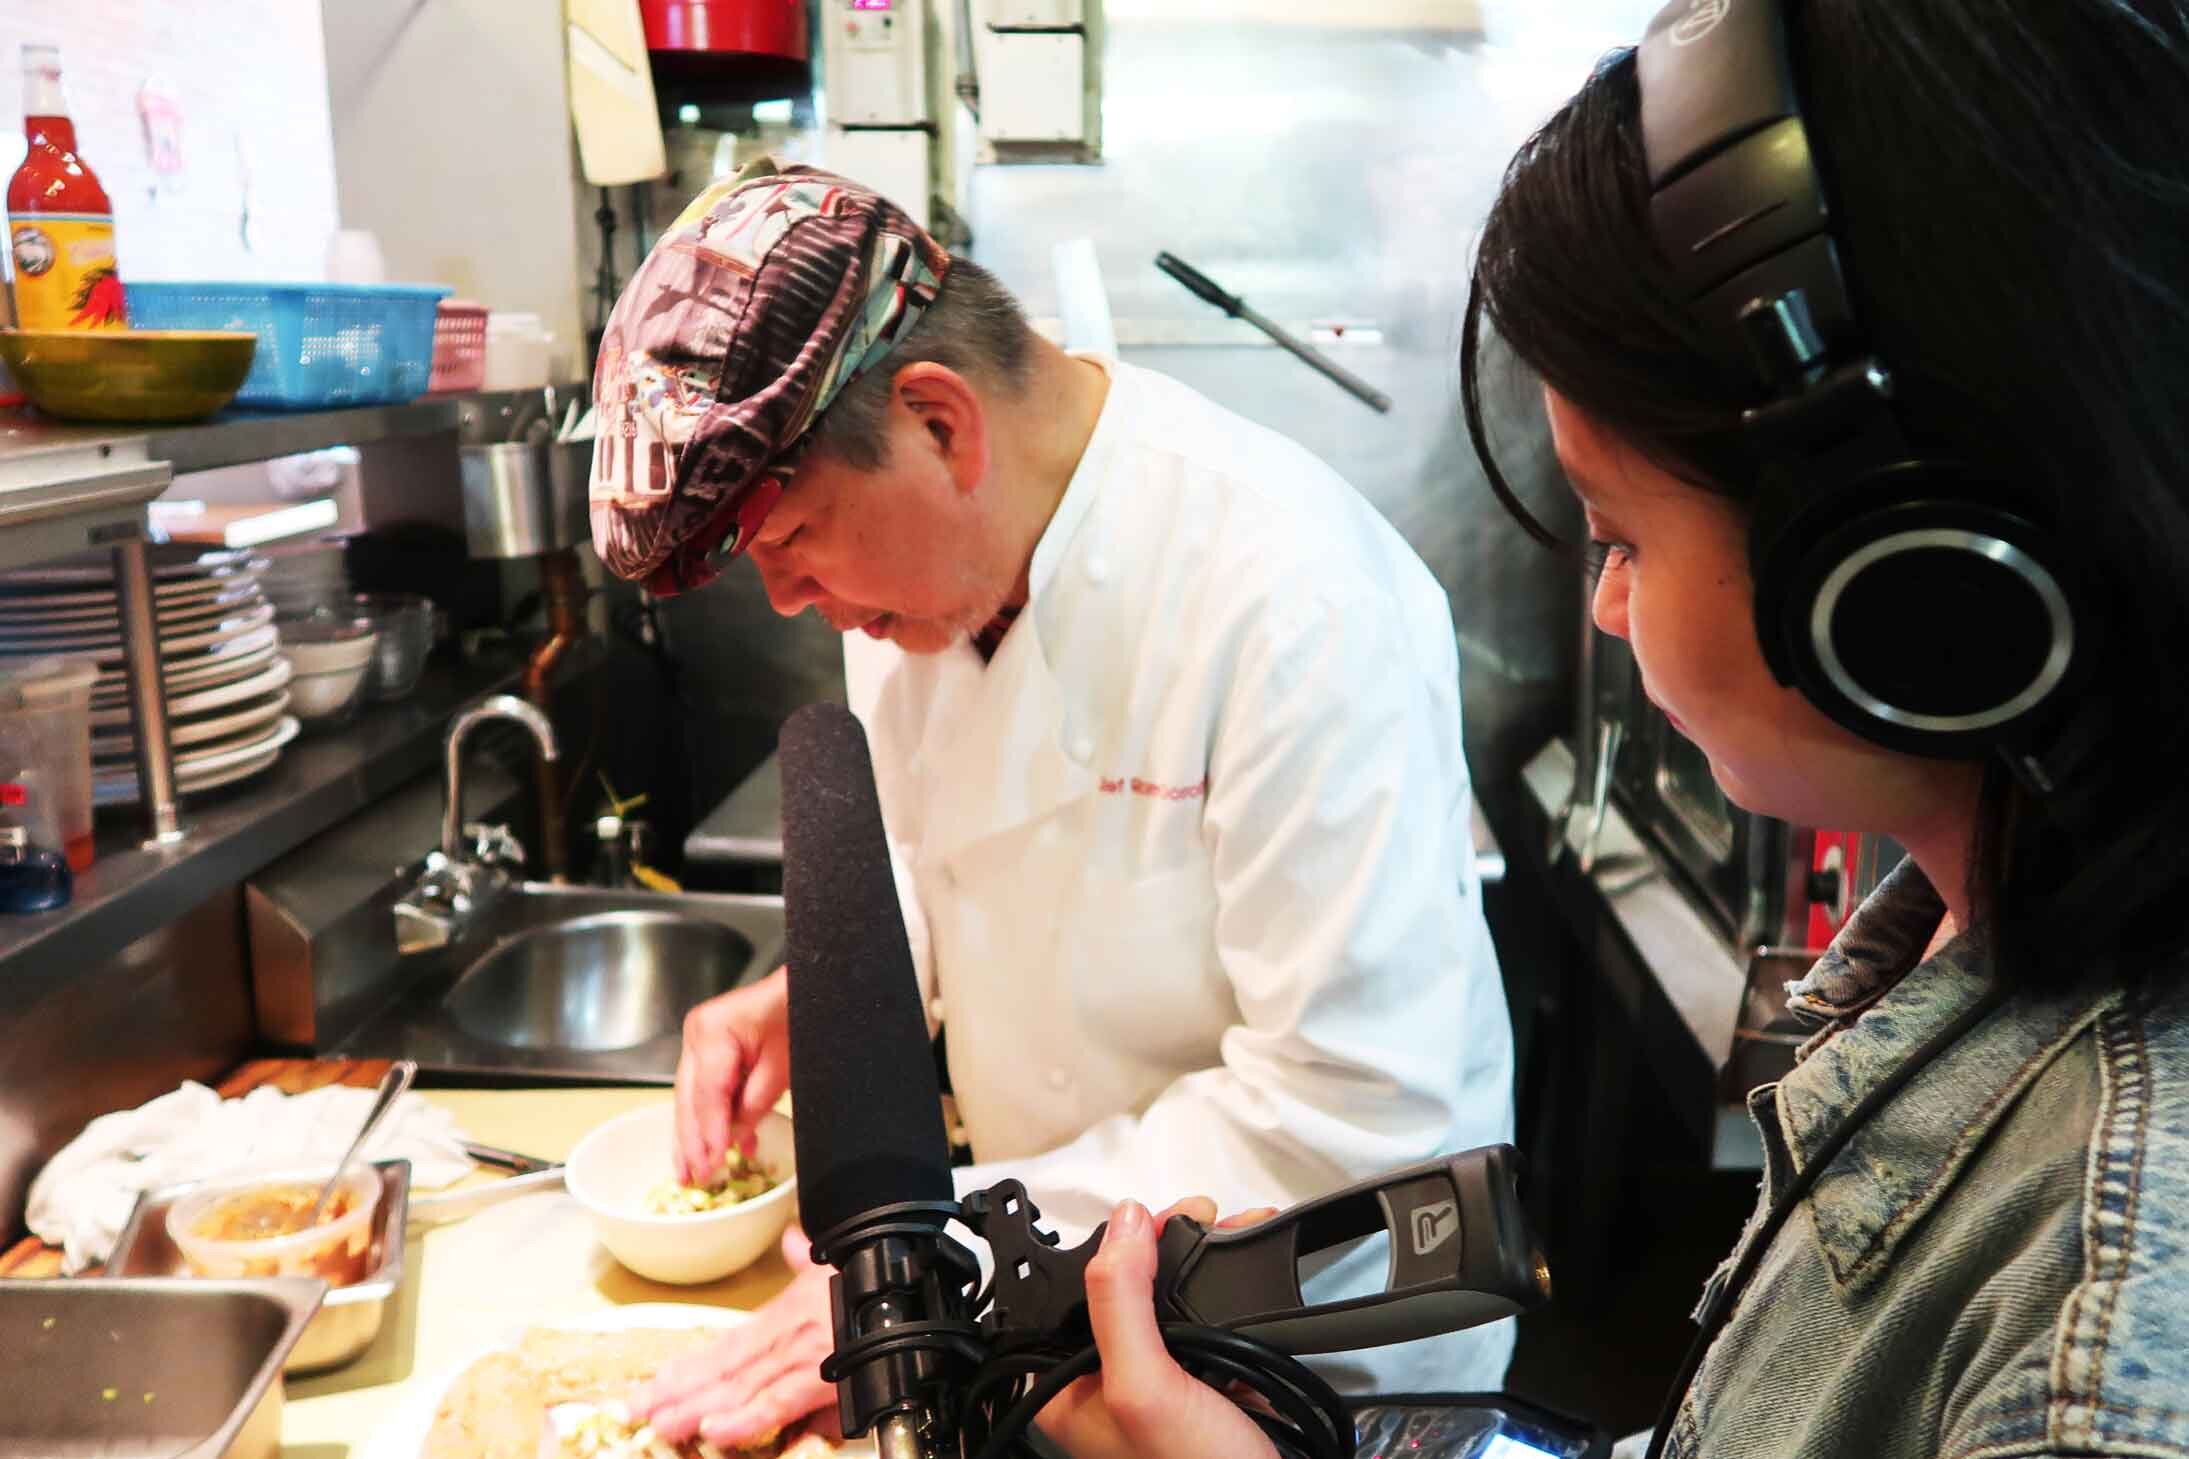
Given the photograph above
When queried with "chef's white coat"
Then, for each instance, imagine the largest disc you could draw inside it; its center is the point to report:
(1188, 866)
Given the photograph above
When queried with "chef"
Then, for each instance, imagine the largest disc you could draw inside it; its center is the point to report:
(1166, 727)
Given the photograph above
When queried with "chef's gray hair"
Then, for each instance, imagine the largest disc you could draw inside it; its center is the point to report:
(974, 327)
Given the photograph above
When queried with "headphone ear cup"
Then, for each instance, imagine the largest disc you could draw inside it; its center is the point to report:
(1927, 619)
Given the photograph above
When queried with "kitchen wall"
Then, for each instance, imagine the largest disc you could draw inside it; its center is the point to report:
(206, 120)
(453, 145)
(440, 125)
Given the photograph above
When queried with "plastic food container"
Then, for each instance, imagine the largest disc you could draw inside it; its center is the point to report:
(211, 1226)
(517, 348)
(45, 746)
(319, 345)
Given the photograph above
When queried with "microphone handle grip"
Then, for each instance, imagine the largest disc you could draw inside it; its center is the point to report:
(1460, 1255)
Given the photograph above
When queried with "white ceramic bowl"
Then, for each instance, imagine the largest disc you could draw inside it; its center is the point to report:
(326, 643)
(329, 657)
(316, 697)
(619, 1162)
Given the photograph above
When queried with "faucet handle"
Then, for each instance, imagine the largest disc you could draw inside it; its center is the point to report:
(494, 846)
(442, 903)
(432, 912)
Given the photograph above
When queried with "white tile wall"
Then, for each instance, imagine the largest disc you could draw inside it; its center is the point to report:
(250, 79)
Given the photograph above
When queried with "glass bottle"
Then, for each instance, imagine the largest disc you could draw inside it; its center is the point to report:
(60, 221)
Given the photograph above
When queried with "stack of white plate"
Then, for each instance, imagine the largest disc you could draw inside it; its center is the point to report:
(219, 654)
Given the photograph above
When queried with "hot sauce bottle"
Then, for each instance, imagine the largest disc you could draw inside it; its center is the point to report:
(60, 223)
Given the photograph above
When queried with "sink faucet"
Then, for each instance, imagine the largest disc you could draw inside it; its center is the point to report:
(473, 863)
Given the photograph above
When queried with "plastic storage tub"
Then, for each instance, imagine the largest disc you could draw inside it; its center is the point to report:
(213, 1226)
(319, 345)
(45, 746)
(518, 350)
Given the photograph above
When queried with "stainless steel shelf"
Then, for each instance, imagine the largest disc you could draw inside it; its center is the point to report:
(87, 510)
(234, 439)
(40, 452)
(69, 489)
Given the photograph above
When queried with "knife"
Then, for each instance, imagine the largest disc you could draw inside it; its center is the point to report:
(1212, 292)
(508, 1160)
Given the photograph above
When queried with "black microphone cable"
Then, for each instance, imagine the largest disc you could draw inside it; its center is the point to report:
(1308, 1420)
(1018, 1374)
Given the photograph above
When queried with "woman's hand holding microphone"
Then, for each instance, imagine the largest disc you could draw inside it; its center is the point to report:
(1142, 1405)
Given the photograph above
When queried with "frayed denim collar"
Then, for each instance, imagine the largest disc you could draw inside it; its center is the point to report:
(1880, 1000)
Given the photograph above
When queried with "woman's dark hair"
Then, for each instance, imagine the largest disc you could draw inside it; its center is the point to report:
(2010, 183)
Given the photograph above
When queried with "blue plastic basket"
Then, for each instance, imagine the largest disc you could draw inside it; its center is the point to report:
(319, 345)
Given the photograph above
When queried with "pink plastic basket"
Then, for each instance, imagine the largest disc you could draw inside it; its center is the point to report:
(459, 347)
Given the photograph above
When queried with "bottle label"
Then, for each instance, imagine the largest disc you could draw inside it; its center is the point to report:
(64, 272)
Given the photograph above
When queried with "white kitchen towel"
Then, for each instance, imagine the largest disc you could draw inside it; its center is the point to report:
(83, 1197)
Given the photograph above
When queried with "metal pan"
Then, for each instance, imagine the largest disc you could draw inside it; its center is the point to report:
(350, 1317)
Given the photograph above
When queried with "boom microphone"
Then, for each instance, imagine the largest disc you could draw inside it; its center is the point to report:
(869, 1127)
(874, 1184)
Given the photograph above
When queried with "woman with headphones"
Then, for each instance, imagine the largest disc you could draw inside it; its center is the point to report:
(1863, 328)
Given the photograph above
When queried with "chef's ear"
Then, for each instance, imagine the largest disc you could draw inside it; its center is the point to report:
(951, 417)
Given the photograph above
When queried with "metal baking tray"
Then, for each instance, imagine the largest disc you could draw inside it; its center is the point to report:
(148, 1368)
(348, 1320)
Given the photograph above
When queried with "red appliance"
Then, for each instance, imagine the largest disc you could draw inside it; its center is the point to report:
(728, 28)
(725, 52)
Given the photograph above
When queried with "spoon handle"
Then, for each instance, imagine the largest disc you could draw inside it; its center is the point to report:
(392, 1084)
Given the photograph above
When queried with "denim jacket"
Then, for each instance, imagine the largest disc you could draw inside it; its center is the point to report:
(1998, 1263)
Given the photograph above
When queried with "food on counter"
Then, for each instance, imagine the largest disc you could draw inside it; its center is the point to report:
(518, 1404)
(254, 1228)
(574, 1365)
(492, 1411)
(741, 1180)
(268, 1210)
(606, 1431)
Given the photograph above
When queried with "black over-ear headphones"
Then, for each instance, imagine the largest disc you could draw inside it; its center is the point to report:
(1913, 600)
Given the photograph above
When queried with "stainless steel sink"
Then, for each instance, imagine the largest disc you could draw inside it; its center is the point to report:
(612, 980)
(574, 983)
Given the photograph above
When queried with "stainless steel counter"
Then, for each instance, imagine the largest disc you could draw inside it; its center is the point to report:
(747, 828)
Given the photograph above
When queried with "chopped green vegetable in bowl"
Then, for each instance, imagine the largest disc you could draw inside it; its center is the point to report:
(741, 1180)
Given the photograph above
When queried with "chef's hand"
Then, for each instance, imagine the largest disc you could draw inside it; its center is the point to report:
(1142, 1405)
(760, 1376)
(735, 1066)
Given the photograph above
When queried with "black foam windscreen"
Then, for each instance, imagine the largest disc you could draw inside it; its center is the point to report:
(866, 1108)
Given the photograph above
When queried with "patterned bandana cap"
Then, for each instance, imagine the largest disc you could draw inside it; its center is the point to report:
(773, 291)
